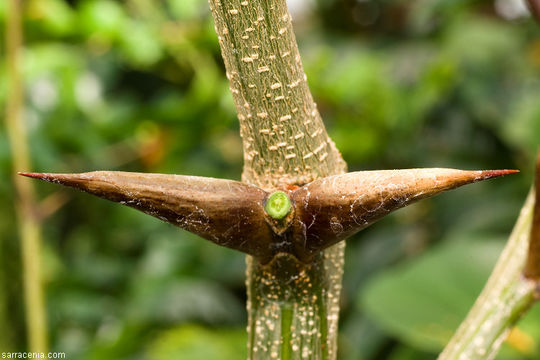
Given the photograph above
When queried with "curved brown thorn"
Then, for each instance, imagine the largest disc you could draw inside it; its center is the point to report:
(532, 267)
(331, 209)
(226, 212)
(231, 214)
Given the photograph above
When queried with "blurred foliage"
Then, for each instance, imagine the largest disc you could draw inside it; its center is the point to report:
(437, 290)
(139, 85)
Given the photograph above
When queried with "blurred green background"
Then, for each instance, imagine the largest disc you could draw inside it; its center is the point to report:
(139, 85)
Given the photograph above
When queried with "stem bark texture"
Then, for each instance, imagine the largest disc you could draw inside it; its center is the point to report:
(292, 306)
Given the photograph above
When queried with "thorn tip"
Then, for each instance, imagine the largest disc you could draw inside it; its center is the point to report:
(488, 174)
(31, 175)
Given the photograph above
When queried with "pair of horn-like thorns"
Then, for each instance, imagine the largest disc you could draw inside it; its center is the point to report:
(236, 215)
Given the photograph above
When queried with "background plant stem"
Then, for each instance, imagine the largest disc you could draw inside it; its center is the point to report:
(28, 224)
(506, 296)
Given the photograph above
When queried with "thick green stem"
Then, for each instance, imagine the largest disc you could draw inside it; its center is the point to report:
(284, 138)
(506, 296)
(29, 228)
(292, 307)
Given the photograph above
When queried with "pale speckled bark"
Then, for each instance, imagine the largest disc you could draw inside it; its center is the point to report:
(285, 143)
(293, 307)
(284, 139)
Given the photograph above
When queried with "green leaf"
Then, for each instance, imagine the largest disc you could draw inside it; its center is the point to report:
(522, 127)
(179, 300)
(422, 302)
(55, 15)
(104, 18)
(140, 44)
(186, 9)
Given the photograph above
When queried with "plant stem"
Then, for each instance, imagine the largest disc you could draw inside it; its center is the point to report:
(284, 138)
(293, 307)
(29, 228)
(506, 296)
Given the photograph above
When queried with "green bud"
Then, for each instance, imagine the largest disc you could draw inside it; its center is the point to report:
(278, 205)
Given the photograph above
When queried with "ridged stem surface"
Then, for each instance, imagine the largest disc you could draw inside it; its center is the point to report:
(292, 306)
(284, 138)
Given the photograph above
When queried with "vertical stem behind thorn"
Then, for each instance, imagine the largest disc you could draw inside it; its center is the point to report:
(29, 228)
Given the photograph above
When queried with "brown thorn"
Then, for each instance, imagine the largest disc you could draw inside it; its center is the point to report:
(226, 212)
(341, 205)
(333, 208)
(33, 175)
(50, 177)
